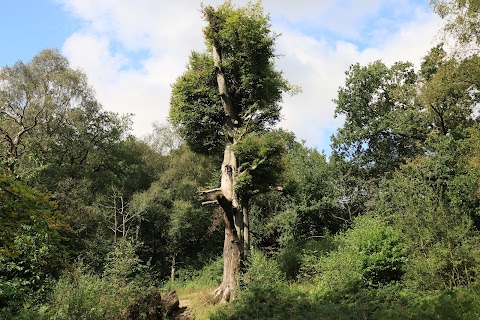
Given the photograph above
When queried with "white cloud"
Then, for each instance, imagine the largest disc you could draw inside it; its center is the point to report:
(319, 67)
(410, 43)
(168, 31)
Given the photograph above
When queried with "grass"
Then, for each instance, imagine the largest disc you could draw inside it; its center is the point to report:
(198, 295)
(196, 289)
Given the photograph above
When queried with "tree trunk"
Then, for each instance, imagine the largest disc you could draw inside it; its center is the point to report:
(229, 170)
(246, 229)
(239, 230)
(234, 223)
(231, 267)
(233, 218)
(172, 270)
(12, 155)
(115, 227)
(230, 111)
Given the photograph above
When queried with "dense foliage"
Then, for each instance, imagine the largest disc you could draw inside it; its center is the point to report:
(246, 46)
(96, 223)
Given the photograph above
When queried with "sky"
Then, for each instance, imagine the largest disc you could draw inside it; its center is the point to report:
(133, 51)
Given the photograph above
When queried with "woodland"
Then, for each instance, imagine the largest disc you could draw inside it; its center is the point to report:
(235, 214)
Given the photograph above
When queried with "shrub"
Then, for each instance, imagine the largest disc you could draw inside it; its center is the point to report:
(289, 260)
(368, 256)
(82, 294)
(33, 244)
(311, 254)
(263, 284)
(262, 275)
(77, 295)
(461, 303)
(433, 204)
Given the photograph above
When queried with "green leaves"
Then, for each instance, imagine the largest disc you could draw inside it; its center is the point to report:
(369, 255)
(33, 246)
(260, 155)
(449, 96)
(463, 19)
(383, 125)
(432, 202)
(116, 294)
(246, 46)
(195, 107)
(174, 223)
(37, 95)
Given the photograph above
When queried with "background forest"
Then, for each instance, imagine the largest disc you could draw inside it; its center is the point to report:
(97, 222)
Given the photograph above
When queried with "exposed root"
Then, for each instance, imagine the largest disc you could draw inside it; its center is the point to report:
(222, 294)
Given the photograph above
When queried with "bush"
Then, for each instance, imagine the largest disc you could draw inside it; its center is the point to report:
(312, 253)
(368, 256)
(263, 275)
(77, 295)
(289, 260)
(263, 284)
(461, 303)
(33, 245)
(265, 294)
(363, 271)
(82, 294)
(300, 261)
(432, 201)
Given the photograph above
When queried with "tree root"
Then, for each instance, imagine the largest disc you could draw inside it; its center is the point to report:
(222, 294)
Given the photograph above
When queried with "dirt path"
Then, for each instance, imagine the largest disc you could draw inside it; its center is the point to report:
(184, 312)
(184, 304)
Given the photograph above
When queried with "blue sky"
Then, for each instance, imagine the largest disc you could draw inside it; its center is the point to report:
(132, 51)
(28, 26)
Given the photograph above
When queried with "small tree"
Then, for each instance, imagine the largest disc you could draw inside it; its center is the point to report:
(228, 101)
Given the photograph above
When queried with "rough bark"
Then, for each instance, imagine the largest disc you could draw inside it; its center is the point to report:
(227, 102)
(172, 267)
(246, 229)
(233, 245)
(229, 169)
(227, 198)
(239, 230)
(231, 267)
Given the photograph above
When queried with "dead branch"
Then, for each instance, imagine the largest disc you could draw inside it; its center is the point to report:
(205, 203)
(216, 190)
(212, 194)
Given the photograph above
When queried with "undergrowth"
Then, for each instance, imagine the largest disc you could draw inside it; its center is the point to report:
(340, 279)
